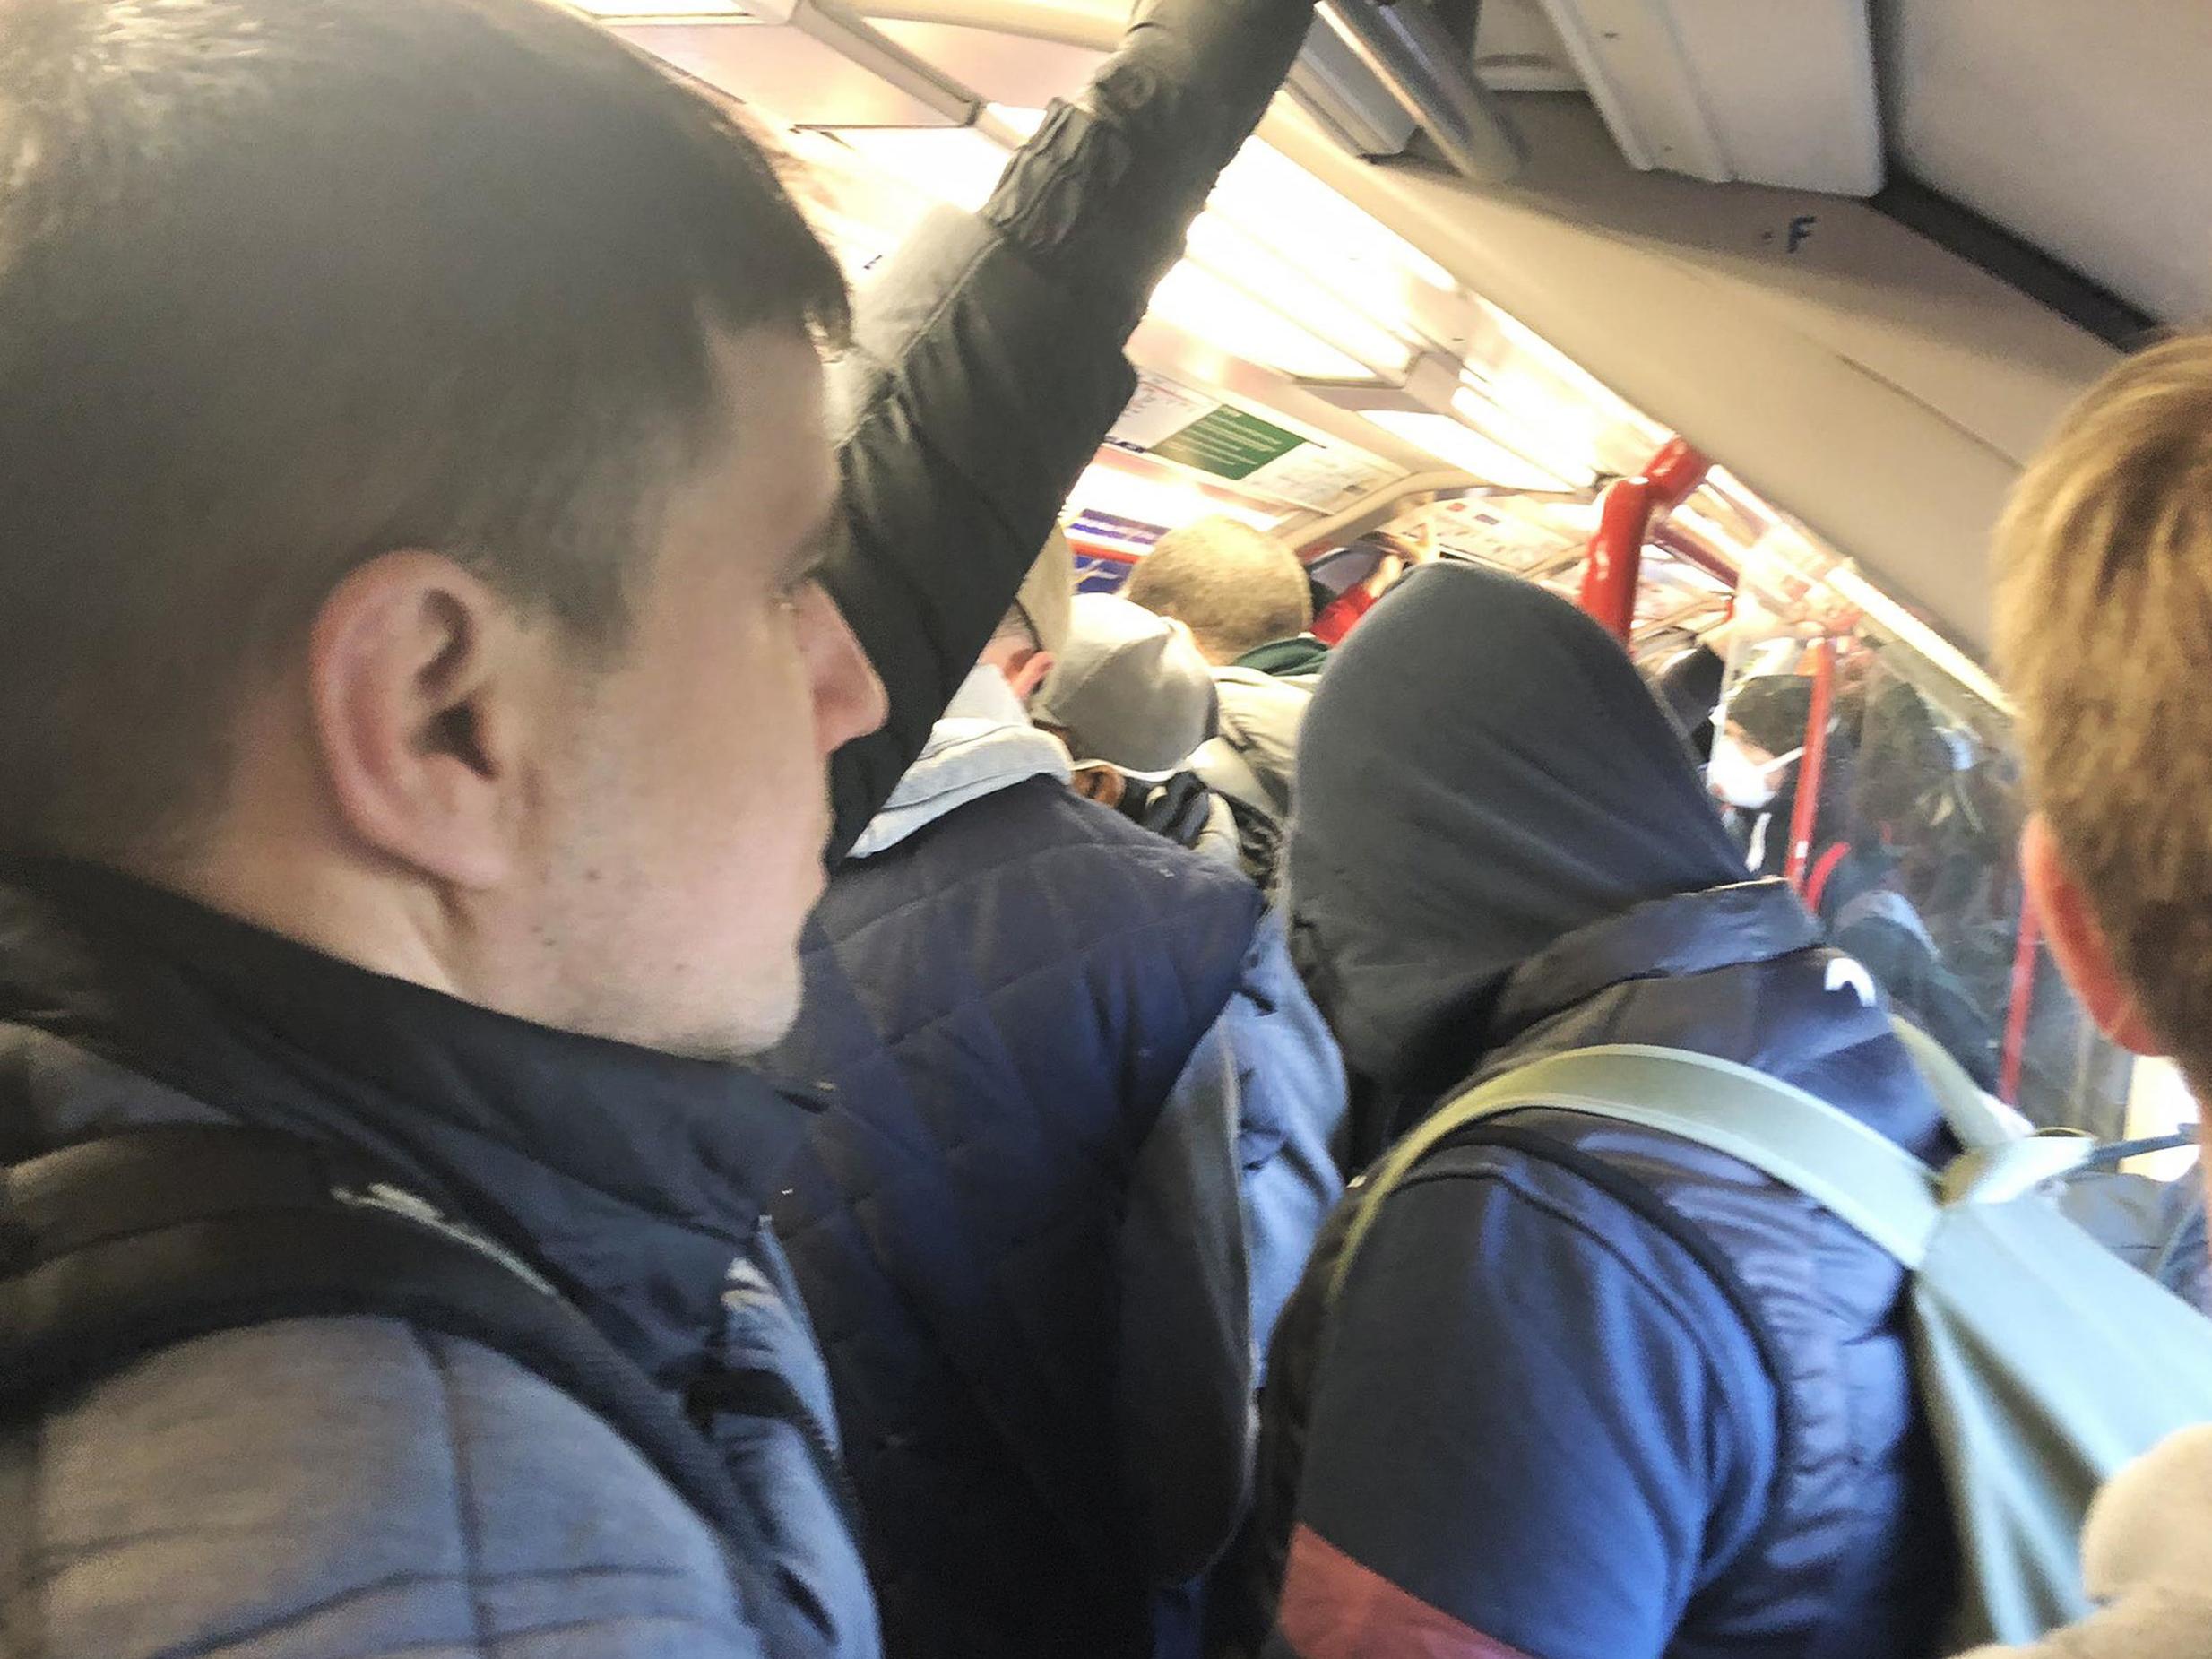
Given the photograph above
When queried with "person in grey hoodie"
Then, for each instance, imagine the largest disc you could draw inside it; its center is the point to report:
(2104, 596)
(1244, 597)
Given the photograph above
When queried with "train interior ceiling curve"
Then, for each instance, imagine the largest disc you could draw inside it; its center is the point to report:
(1485, 257)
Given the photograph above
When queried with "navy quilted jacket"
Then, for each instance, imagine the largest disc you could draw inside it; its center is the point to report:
(1018, 1226)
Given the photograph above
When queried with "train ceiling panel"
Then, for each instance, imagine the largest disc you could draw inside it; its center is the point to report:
(1000, 68)
(816, 69)
(1876, 387)
(1517, 50)
(2082, 129)
(1748, 91)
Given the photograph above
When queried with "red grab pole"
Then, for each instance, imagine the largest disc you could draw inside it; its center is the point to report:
(1616, 558)
(1807, 811)
(2024, 955)
(1616, 553)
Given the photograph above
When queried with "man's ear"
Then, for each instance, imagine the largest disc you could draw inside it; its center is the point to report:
(2078, 941)
(1103, 785)
(1028, 673)
(412, 666)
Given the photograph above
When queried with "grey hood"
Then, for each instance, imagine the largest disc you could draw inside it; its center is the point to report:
(984, 743)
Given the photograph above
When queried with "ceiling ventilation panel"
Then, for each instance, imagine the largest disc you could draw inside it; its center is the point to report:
(2082, 129)
(1761, 91)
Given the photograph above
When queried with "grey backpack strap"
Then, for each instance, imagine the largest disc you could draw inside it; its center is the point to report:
(1849, 1170)
(1975, 1121)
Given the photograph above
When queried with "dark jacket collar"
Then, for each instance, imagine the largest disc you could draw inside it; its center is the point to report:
(633, 1177)
(1303, 654)
(1661, 938)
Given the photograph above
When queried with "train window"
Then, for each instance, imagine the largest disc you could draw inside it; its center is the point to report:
(1889, 790)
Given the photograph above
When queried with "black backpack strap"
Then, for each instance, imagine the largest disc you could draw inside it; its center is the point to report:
(114, 1248)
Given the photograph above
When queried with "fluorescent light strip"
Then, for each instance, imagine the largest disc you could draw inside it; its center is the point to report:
(1264, 191)
(956, 164)
(1258, 295)
(1605, 404)
(1463, 447)
(1195, 300)
(1274, 282)
(1505, 428)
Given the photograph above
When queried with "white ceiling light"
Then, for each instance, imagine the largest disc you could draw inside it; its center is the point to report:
(1271, 281)
(1462, 447)
(1546, 437)
(1517, 380)
(1266, 193)
(1021, 122)
(1197, 301)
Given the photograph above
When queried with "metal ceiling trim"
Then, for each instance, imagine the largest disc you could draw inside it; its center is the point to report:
(1404, 45)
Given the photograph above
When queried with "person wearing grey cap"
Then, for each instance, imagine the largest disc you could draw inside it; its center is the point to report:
(1076, 1157)
(1132, 699)
(1245, 599)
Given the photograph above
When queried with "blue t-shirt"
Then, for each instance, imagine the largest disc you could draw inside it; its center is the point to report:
(1539, 1428)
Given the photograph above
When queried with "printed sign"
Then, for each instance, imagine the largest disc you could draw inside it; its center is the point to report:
(1205, 433)
(1160, 409)
(1229, 444)
(1320, 477)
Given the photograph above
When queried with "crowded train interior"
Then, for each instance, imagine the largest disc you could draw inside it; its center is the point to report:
(1680, 310)
(1105, 829)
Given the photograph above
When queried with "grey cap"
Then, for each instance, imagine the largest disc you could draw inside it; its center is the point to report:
(1129, 688)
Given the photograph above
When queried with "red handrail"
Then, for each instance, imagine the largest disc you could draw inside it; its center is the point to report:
(1802, 818)
(2024, 953)
(1616, 552)
(1616, 556)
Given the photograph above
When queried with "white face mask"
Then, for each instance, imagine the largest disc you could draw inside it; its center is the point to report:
(1741, 781)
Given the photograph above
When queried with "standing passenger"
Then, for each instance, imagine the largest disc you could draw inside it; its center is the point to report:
(1589, 1391)
(1755, 768)
(416, 694)
(2105, 606)
(1244, 598)
(1076, 1157)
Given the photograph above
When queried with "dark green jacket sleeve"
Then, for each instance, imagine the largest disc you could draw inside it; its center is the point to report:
(986, 365)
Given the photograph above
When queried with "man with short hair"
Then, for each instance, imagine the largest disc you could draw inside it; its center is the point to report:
(2105, 598)
(1079, 1153)
(1237, 589)
(1243, 596)
(420, 706)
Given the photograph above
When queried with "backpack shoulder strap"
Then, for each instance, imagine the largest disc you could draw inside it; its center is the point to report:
(1799, 1140)
(1974, 1119)
(114, 1249)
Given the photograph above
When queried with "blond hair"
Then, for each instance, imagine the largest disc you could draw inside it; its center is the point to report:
(1235, 588)
(2104, 633)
